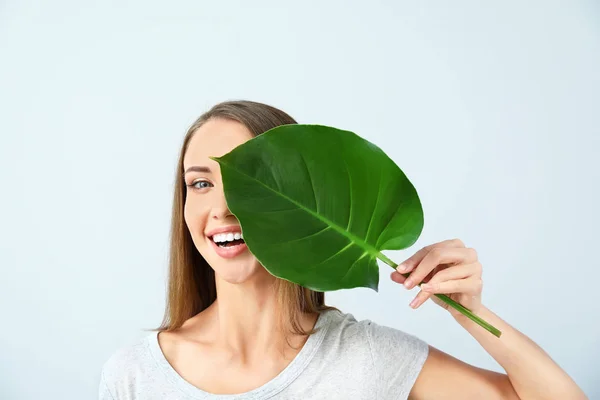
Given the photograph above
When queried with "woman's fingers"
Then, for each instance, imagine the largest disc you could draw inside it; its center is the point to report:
(457, 272)
(438, 256)
(410, 263)
(398, 277)
(420, 299)
(448, 266)
(472, 286)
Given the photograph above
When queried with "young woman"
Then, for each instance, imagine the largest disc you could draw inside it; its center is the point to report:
(234, 331)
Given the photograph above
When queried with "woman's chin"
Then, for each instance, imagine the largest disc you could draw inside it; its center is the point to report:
(238, 274)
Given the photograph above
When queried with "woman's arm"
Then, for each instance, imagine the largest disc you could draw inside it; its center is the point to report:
(531, 373)
(444, 377)
(454, 270)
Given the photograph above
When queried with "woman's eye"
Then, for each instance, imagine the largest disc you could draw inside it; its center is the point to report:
(200, 185)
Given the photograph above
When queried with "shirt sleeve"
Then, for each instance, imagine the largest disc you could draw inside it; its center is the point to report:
(398, 358)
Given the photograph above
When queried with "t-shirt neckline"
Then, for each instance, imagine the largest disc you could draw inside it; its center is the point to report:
(269, 389)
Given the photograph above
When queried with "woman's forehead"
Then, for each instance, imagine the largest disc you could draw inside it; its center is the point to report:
(214, 139)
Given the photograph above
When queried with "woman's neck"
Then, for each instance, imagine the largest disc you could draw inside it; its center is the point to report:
(246, 319)
(247, 313)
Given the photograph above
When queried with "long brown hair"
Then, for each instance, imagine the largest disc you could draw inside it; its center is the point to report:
(191, 286)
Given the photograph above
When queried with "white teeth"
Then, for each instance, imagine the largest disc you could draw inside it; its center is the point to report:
(227, 237)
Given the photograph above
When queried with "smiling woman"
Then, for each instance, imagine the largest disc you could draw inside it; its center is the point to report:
(234, 331)
(200, 212)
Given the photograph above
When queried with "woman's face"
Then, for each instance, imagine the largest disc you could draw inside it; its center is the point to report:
(206, 213)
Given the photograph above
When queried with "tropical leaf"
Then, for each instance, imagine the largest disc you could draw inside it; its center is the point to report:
(318, 204)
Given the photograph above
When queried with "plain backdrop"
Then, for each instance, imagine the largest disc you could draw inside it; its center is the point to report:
(491, 109)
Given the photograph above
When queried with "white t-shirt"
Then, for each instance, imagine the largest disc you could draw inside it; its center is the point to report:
(344, 359)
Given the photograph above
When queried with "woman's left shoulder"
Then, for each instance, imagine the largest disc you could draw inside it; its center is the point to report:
(383, 341)
(396, 357)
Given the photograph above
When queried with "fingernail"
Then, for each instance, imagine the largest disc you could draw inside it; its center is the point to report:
(413, 303)
(408, 283)
(402, 267)
(426, 286)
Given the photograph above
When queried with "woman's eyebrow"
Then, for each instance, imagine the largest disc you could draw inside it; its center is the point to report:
(197, 169)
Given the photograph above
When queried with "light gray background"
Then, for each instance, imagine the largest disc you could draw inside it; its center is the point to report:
(490, 108)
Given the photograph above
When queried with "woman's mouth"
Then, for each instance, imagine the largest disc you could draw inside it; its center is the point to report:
(228, 239)
(228, 245)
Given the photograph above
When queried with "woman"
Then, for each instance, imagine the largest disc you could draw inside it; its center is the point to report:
(233, 331)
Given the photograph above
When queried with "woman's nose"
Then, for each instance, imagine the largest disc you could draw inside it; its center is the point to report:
(220, 213)
(220, 209)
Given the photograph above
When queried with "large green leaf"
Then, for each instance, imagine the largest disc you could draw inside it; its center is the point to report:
(317, 205)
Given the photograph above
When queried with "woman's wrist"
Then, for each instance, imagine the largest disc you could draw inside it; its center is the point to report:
(463, 320)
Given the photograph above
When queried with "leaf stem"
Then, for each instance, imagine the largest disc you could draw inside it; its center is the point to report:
(454, 304)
